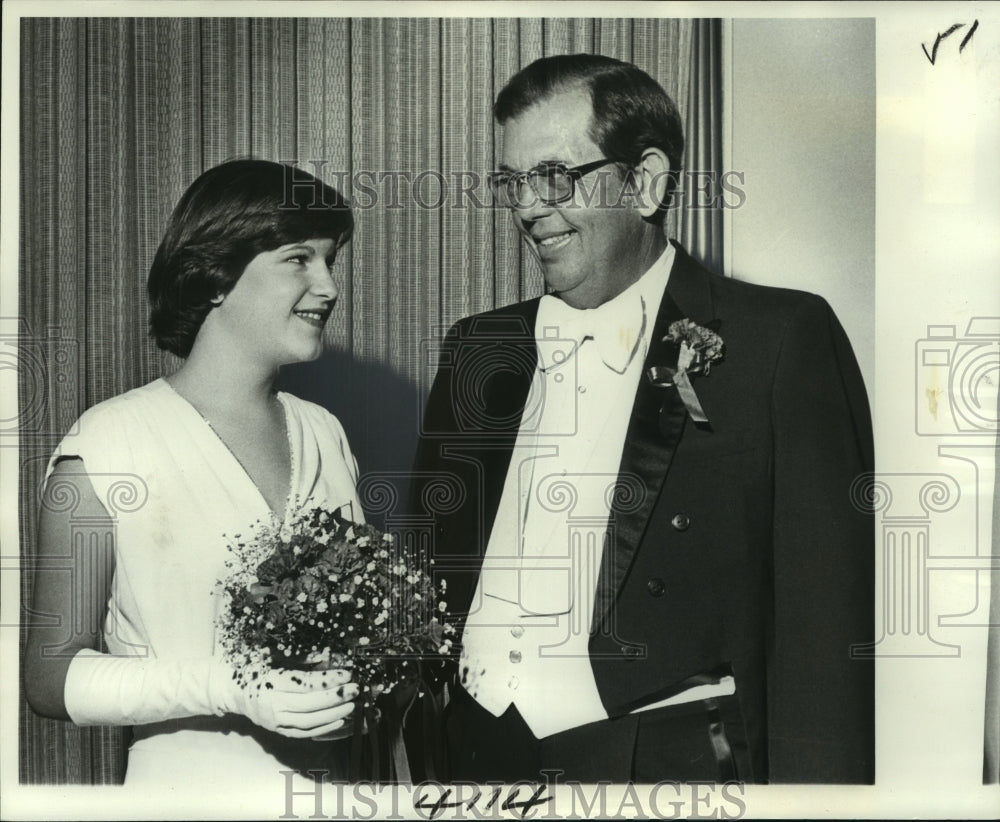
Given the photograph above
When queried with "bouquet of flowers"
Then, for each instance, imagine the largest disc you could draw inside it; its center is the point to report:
(321, 592)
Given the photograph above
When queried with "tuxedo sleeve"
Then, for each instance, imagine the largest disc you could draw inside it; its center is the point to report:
(821, 710)
(423, 730)
(433, 477)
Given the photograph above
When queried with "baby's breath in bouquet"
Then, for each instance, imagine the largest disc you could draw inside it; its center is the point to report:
(319, 591)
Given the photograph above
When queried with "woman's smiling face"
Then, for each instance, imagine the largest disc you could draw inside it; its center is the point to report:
(281, 302)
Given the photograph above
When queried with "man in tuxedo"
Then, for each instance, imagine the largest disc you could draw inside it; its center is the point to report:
(648, 526)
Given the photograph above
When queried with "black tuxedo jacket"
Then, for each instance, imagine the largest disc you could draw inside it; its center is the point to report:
(737, 547)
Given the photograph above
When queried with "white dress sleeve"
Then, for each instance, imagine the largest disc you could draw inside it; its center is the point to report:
(100, 438)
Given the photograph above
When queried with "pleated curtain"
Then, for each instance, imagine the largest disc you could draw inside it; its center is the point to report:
(118, 116)
(700, 220)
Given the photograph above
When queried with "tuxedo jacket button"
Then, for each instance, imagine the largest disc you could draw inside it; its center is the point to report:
(681, 522)
(656, 587)
(631, 651)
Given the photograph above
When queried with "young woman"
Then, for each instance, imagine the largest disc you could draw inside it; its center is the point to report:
(240, 286)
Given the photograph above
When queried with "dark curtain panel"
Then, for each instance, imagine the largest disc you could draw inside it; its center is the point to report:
(118, 116)
(702, 235)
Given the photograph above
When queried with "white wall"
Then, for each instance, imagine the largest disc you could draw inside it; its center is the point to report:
(801, 125)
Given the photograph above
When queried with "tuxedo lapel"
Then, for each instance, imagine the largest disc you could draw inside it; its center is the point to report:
(655, 429)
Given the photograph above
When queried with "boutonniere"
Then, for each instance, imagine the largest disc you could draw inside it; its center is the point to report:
(699, 348)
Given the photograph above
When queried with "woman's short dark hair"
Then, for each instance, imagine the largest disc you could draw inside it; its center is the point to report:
(228, 216)
(632, 112)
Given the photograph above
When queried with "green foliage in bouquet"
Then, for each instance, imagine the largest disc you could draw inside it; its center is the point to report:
(323, 592)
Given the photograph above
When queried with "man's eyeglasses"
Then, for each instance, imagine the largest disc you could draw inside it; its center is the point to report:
(552, 183)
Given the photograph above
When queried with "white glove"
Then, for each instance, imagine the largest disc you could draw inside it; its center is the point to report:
(102, 689)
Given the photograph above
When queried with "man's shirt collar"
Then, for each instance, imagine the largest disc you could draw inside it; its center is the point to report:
(618, 327)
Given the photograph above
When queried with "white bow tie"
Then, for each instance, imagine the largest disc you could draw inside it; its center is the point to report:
(616, 328)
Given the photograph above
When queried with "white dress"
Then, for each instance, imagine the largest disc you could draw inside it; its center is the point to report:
(178, 495)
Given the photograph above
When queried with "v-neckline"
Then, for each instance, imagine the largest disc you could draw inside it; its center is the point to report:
(292, 461)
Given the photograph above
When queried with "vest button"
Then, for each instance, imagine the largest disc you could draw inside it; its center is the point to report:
(517, 631)
(515, 656)
(631, 651)
(656, 587)
(681, 522)
(513, 682)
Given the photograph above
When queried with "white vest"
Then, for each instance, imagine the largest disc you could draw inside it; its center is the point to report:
(527, 635)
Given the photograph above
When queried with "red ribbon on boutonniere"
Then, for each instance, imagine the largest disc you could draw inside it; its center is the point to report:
(699, 348)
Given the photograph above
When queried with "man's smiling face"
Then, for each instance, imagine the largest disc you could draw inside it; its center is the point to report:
(590, 250)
